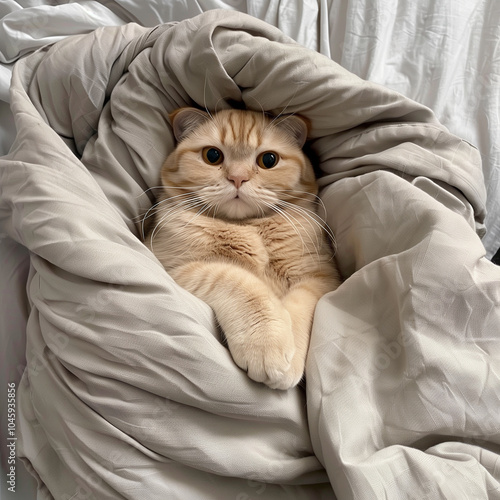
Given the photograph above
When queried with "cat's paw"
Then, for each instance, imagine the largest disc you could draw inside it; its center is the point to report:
(266, 352)
(291, 377)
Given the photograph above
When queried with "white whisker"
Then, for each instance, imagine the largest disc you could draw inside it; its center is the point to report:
(307, 216)
(260, 106)
(204, 208)
(288, 217)
(175, 209)
(149, 189)
(319, 220)
(317, 200)
(156, 208)
(282, 112)
(313, 217)
(205, 95)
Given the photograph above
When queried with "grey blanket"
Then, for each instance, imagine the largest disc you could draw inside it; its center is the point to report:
(129, 392)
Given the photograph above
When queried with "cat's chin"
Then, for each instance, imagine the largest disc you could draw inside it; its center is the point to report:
(239, 209)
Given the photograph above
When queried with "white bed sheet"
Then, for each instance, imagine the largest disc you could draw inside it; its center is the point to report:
(442, 54)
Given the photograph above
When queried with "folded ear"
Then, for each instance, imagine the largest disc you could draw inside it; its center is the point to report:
(185, 120)
(294, 125)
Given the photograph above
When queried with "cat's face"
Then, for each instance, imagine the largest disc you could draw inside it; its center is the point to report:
(238, 164)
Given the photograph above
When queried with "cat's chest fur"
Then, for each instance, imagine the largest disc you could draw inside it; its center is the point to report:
(269, 247)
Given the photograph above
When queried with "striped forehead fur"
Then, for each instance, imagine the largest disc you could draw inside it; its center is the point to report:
(245, 131)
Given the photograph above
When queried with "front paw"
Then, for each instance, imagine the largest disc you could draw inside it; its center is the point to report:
(291, 377)
(267, 353)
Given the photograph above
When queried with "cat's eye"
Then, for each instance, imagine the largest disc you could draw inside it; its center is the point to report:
(269, 159)
(212, 156)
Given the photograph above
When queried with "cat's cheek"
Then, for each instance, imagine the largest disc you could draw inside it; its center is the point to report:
(283, 177)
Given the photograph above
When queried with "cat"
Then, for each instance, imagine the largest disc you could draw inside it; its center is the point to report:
(236, 225)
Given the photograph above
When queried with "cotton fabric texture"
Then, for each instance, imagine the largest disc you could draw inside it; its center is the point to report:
(129, 393)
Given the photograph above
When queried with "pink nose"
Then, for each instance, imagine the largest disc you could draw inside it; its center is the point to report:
(238, 179)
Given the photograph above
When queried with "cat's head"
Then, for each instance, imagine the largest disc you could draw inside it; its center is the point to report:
(238, 164)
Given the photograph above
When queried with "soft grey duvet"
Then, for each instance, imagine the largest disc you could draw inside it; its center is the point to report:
(129, 392)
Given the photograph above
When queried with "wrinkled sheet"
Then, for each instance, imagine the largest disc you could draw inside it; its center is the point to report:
(441, 54)
(129, 393)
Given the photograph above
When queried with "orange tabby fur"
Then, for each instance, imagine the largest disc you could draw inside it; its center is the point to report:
(245, 238)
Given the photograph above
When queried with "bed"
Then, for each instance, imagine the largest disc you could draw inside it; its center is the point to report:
(122, 385)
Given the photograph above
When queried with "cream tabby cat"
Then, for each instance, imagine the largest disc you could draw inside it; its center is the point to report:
(236, 225)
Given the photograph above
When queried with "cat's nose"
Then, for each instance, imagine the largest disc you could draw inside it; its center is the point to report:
(238, 179)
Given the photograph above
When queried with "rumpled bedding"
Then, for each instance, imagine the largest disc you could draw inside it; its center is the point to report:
(129, 392)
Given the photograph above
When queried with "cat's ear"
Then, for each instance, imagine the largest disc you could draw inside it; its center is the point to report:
(294, 125)
(185, 120)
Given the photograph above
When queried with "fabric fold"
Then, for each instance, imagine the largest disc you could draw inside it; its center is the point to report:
(129, 392)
